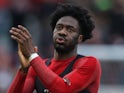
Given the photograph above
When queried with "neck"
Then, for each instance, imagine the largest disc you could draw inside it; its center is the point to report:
(58, 56)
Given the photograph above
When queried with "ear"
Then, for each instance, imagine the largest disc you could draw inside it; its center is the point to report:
(80, 38)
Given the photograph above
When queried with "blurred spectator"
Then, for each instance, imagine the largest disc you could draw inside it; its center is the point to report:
(5, 23)
(4, 4)
(19, 9)
(103, 5)
(116, 16)
(5, 70)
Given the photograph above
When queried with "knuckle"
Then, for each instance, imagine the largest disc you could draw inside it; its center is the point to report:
(29, 37)
(22, 41)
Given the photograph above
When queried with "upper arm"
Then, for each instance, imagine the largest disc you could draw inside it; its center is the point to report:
(83, 74)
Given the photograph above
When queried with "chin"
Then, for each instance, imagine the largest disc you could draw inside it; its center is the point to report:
(63, 50)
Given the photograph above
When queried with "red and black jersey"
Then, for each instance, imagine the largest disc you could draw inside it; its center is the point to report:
(85, 74)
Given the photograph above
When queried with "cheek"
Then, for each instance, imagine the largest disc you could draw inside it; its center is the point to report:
(54, 36)
(54, 31)
(74, 39)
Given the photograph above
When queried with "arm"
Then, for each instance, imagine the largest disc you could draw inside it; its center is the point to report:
(18, 82)
(23, 82)
(23, 78)
(51, 80)
(79, 78)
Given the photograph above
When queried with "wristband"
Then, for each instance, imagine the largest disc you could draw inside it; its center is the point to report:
(32, 56)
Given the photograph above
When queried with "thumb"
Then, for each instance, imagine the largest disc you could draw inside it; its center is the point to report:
(19, 49)
(36, 49)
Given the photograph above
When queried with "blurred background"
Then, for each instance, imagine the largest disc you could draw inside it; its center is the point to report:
(107, 44)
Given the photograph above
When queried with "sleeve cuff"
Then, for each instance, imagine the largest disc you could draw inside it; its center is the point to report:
(33, 56)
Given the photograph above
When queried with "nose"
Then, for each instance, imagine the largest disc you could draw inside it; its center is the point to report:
(63, 32)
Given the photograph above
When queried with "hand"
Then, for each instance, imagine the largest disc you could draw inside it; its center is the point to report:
(24, 62)
(23, 37)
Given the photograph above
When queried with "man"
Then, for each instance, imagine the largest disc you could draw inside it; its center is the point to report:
(71, 25)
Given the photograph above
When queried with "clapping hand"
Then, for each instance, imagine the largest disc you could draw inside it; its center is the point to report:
(24, 38)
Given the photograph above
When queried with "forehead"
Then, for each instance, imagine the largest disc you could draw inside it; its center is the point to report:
(68, 20)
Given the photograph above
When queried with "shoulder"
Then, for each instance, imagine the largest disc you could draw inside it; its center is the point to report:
(87, 61)
(88, 65)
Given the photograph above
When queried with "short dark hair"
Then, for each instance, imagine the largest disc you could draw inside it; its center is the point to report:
(80, 14)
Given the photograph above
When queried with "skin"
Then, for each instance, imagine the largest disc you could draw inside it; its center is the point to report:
(23, 37)
(67, 29)
(23, 61)
(65, 35)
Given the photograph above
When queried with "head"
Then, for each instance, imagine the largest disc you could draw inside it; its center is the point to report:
(71, 25)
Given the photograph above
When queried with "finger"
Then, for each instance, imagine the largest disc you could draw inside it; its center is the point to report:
(35, 49)
(19, 49)
(17, 35)
(16, 30)
(13, 32)
(24, 62)
(20, 52)
(24, 29)
(17, 39)
(19, 32)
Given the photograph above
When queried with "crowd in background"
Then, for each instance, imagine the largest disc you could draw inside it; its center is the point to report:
(34, 14)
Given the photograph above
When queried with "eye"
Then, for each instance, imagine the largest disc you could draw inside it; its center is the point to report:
(71, 29)
(59, 27)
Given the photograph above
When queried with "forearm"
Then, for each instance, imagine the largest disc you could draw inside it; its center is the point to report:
(50, 80)
(43, 72)
(18, 82)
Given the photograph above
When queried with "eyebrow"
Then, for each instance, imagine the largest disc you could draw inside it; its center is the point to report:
(66, 25)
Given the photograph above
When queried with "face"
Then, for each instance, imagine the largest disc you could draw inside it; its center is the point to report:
(66, 34)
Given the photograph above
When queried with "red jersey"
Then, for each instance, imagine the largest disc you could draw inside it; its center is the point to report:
(85, 74)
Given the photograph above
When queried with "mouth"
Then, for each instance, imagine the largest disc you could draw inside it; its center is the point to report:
(60, 40)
